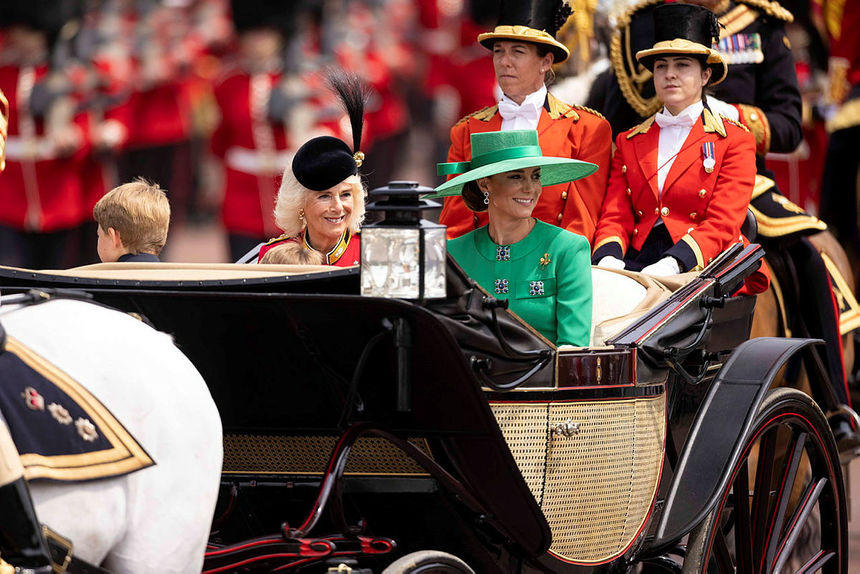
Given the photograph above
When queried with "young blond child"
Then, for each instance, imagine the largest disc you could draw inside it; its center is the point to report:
(292, 253)
(133, 220)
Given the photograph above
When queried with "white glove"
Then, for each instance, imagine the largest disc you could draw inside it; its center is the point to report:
(610, 262)
(666, 266)
(720, 107)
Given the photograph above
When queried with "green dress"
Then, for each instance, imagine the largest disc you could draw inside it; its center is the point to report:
(546, 277)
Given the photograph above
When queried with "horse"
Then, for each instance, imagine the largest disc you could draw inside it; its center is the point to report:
(156, 519)
(770, 317)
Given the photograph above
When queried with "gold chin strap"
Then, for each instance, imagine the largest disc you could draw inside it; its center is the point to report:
(4, 128)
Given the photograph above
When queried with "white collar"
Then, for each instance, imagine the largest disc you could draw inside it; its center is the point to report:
(537, 98)
(693, 111)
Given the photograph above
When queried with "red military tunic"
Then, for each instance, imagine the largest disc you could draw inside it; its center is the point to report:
(253, 151)
(40, 190)
(703, 212)
(563, 131)
(346, 253)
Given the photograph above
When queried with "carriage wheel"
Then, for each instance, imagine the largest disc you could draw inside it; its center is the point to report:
(428, 562)
(784, 506)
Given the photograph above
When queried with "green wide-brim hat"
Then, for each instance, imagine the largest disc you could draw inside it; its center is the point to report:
(498, 152)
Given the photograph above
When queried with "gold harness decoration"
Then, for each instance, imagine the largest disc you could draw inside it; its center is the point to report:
(123, 454)
(779, 221)
(849, 309)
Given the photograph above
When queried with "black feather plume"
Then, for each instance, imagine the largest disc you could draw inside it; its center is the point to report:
(353, 95)
(714, 27)
(562, 14)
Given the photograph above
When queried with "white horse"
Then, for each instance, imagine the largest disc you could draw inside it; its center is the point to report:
(156, 519)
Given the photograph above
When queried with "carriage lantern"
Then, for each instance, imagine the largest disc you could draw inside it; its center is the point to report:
(403, 256)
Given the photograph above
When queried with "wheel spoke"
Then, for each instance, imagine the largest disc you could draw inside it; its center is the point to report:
(762, 493)
(783, 496)
(743, 530)
(798, 519)
(817, 562)
(722, 554)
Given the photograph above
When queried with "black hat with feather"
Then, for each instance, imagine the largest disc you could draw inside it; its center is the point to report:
(686, 30)
(325, 161)
(534, 21)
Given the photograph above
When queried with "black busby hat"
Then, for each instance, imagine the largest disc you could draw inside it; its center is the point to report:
(325, 161)
(685, 29)
(535, 21)
(47, 16)
(251, 14)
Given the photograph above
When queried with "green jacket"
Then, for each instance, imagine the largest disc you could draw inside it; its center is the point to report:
(546, 277)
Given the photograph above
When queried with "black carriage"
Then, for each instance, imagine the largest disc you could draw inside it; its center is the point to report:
(367, 434)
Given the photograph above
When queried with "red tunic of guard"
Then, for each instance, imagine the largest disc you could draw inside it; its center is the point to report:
(253, 151)
(40, 190)
(563, 131)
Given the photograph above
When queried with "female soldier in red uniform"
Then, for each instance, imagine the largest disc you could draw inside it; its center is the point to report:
(682, 180)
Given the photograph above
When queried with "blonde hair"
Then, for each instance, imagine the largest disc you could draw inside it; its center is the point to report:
(292, 253)
(292, 197)
(140, 212)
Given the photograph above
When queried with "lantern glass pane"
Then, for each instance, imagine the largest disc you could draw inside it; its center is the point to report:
(389, 262)
(435, 248)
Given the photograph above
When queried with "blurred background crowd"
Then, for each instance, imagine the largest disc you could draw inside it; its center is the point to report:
(209, 99)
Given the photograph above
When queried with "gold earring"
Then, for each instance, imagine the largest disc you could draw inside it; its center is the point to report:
(301, 214)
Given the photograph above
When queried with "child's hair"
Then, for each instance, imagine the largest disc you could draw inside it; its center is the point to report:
(292, 253)
(140, 212)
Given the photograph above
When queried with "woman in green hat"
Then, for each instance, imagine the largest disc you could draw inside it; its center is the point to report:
(544, 271)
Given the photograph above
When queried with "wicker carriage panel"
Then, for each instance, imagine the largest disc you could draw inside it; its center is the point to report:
(524, 426)
(601, 481)
(308, 455)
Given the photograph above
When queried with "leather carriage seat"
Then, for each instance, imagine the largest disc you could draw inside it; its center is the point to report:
(620, 297)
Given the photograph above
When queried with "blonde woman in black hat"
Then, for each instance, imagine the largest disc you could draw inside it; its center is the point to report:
(682, 180)
(524, 51)
(320, 204)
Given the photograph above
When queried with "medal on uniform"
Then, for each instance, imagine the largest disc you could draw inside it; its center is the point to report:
(708, 161)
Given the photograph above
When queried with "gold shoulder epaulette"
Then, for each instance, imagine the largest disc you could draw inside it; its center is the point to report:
(484, 114)
(281, 237)
(770, 8)
(559, 109)
(642, 128)
(589, 110)
(735, 122)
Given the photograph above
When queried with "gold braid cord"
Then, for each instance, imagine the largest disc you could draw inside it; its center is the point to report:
(833, 10)
(4, 128)
(770, 8)
(631, 75)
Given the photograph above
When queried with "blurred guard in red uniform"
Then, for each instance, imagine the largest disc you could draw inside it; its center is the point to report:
(524, 50)
(252, 146)
(41, 192)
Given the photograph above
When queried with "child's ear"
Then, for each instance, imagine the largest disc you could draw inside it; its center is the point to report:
(114, 236)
